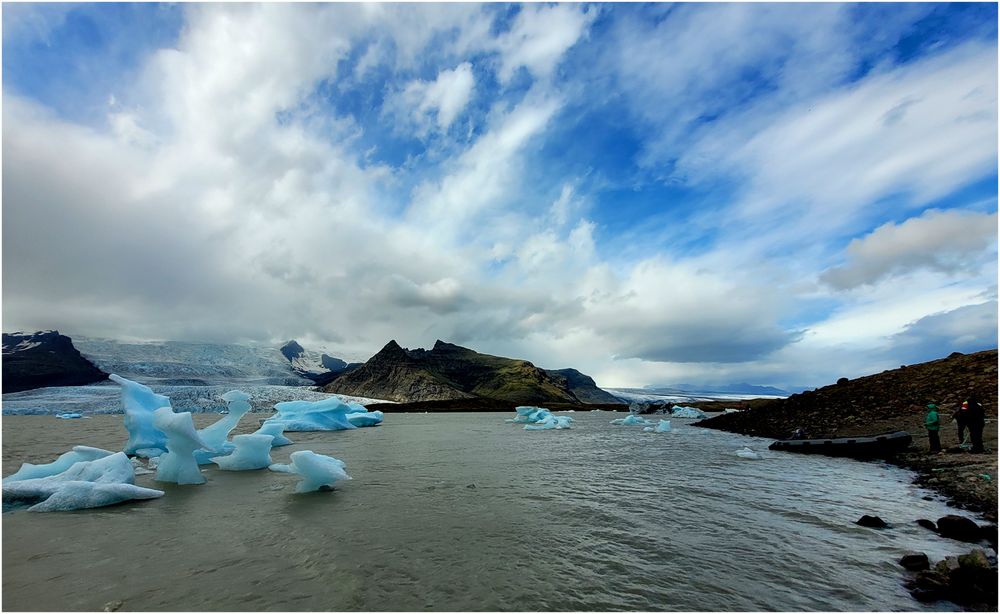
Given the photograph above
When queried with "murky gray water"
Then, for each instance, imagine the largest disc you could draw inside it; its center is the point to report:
(465, 512)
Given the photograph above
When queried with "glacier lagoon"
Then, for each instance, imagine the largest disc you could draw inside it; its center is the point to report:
(468, 512)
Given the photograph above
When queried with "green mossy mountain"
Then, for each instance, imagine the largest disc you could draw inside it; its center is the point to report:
(450, 372)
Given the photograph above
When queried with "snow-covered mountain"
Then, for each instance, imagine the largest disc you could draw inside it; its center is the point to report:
(313, 365)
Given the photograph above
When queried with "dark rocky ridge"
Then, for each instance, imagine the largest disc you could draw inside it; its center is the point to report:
(895, 400)
(42, 359)
(449, 372)
(583, 386)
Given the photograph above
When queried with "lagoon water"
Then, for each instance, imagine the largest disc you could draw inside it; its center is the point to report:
(463, 512)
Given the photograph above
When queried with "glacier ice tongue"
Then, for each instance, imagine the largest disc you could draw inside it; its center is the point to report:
(632, 420)
(275, 430)
(317, 471)
(139, 403)
(86, 484)
(178, 465)
(215, 435)
(252, 452)
(61, 464)
(326, 415)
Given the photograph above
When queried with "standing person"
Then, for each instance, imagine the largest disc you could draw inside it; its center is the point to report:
(976, 420)
(961, 417)
(933, 424)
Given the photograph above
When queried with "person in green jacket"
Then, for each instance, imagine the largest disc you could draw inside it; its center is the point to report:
(933, 424)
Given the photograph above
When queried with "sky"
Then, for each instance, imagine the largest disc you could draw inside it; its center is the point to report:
(778, 194)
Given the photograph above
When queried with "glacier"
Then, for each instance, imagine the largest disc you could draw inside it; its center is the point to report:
(326, 415)
(139, 403)
(86, 484)
(252, 452)
(78, 454)
(178, 465)
(317, 471)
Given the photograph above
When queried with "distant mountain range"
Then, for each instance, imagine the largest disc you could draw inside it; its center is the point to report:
(742, 388)
(451, 372)
(44, 358)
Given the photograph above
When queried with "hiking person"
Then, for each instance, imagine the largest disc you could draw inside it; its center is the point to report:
(961, 417)
(976, 420)
(933, 424)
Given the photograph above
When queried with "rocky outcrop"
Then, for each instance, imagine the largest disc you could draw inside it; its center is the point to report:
(42, 359)
(970, 580)
(582, 386)
(451, 372)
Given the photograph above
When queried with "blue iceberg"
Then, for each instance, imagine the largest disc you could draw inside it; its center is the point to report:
(632, 420)
(679, 411)
(139, 403)
(366, 418)
(252, 452)
(275, 430)
(86, 484)
(317, 471)
(550, 422)
(662, 427)
(178, 465)
(326, 415)
(65, 461)
(527, 414)
(215, 435)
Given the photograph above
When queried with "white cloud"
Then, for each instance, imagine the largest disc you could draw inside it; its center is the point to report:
(945, 241)
(444, 98)
(539, 37)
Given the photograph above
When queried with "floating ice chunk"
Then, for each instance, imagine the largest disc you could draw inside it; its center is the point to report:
(139, 468)
(527, 414)
(550, 422)
(663, 427)
(178, 464)
(632, 420)
(139, 403)
(69, 415)
(64, 462)
(274, 429)
(215, 435)
(648, 429)
(317, 470)
(150, 453)
(95, 483)
(748, 454)
(731, 410)
(687, 412)
(326, 415)
(367, 418)
(252, 452)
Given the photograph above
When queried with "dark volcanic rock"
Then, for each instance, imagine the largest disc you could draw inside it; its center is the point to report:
(915, 561)
(960, 528)
(292, 350)
(583, 386)
(927, 524)
(450, 372)
(871, 521)
(333, 364)
(38, 360)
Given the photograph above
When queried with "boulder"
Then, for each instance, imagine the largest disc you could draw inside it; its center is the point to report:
(927, 524)
(959, 527)
(871, 521)
(915, 561)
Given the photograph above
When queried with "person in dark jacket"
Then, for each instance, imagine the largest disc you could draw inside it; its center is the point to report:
(961, 417)
(976, 420)
(933, 424)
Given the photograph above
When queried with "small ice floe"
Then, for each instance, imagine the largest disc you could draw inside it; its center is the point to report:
(61, 464)
(95, 483)
(662, 427)
(326, 415)
(275, 430)
(731, 410)
(252, 452)
(69, 416)
(632, 420)
(539, 419)
(361, 417)
(748, 454)
(550, 422)
(680, 411)
(318, 472)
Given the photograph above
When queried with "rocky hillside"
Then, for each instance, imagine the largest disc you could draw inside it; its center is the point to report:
(582, 386)
(43, 359)
(875, 403)
(451, 372)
